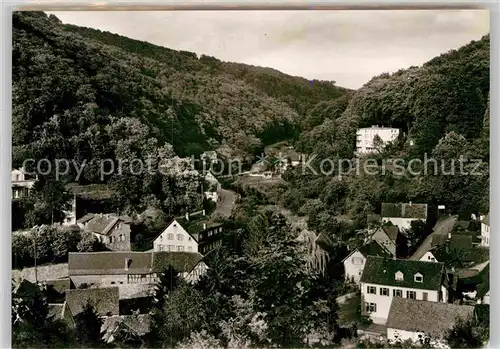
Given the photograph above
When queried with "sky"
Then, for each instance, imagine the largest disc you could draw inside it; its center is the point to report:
(349, 47)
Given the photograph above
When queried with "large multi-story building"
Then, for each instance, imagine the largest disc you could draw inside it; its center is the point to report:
(384, 279)
(365, 138)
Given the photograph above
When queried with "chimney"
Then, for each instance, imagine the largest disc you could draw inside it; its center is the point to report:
(127, 263)
(204, 226)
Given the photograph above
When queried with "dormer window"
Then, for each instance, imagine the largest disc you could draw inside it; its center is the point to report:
(399, 276)
(418, 277)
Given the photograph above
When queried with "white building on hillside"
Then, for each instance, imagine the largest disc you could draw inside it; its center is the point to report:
(402, 215)
(175, 239)
(354, 263)
(365, 138)
(384, 279)
(21, 183)
(485, 231)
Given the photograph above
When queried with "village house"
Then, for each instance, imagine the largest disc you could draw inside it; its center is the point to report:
(384, 279)
(401, 215)
(99, 269)
(113, 231)
(423, 321)
(388, 237)
(354, 263)
(22, 183)
(213, 187)
(189, 235)
(175, 239)
(365, 138)
(485, 231)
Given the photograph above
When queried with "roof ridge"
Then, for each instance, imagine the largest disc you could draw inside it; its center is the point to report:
(110, 225)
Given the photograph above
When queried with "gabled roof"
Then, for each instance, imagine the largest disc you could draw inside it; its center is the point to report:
(382, 271)
(183, 223)
(433, 318)
(109, 263)
(113, 262)
(103, 223)
(85, 218)
(105, 300)
(180, 261)
(374, 249)
(408, 210)
(391, 231)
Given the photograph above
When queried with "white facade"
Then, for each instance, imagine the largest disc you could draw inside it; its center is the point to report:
(353, 266)
(401, 223)
(395, 335)
(377, 298)
(485, 235)
(175, 239)
(428, 257)
(21, 185)
(365, 136)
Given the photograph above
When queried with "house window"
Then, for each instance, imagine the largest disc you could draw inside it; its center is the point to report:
(397, 293)
(190, 249)
(370, 307)
(424, 296)
(170, 247)
(384, 291)
(209, 233)
(180, 248)
(411, 294)
(170, 236)
(419, 278)
(357, 260)
(371, 290)
(179, 237)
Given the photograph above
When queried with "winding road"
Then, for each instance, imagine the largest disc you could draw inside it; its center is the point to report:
(226, 202)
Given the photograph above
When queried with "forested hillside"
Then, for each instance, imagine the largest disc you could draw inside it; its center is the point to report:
(448, 93)
(443, 109)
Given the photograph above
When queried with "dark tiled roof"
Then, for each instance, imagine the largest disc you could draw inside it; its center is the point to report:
(86, 218)
(392, 231)
(404, 210)
(382, 271)
(374, 249)
(59, 285)
(107, 263)
(105, 300)
(433, 318)
(101, 224)
(113, 263)
(461, 242)
(181, 261)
